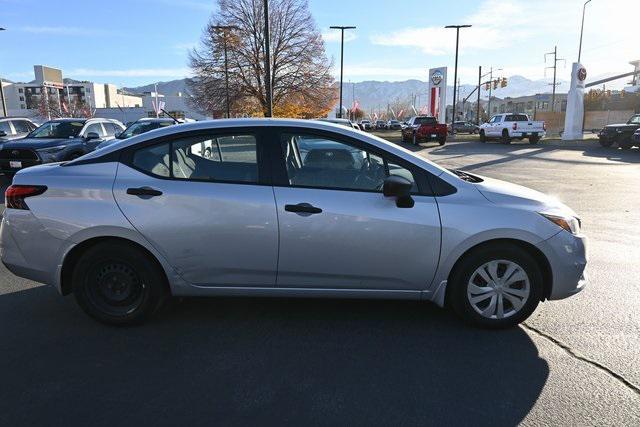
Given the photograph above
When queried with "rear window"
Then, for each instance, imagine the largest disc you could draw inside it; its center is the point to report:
(516, 118)
(425, 121)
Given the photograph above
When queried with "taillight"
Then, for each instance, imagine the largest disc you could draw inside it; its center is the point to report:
(15, 195)
(515, 125)
(544, 126)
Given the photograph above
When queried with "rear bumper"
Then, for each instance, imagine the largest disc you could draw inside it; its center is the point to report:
(526, 134)
(567, 255)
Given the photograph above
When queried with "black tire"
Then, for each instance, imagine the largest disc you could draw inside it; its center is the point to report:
(465, 268)
(442, 141)
(483, 137)
(605, 142)
(505, 137)
(118, 284)
(624, 142)
(473, 132)
(534, 139)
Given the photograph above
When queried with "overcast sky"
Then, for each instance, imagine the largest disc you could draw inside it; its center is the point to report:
(132, 42)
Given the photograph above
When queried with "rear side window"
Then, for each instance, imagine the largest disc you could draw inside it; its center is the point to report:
(4, 126)
(228, 158)
(154, 160)
(21, 126)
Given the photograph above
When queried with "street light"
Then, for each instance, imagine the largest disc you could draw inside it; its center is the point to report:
(225, 29)
(341, 28)
(455, 73)
(584, 7)
(4, 104)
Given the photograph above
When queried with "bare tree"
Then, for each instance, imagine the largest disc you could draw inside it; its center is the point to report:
(301, 73)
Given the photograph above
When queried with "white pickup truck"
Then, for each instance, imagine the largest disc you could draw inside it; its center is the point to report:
(506, 127)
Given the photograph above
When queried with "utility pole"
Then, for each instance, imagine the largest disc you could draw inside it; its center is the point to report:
(555, 68)
(341, 28)
(267, 62)
(455, 73)
(479, 86)
(224, 29)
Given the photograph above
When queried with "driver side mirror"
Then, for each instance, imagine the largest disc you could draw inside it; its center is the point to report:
(91, 135)
(400, 188)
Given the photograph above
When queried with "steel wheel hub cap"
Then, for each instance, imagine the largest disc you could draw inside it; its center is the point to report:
(498, 289)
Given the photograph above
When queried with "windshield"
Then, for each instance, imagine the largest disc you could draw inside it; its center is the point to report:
(635, 120)
(58, 130)
(141, 127)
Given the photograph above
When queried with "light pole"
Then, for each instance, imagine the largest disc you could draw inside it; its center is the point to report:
(584, 7)
(341, 28)
(225, 29)
(4, 104)
(267, 62)
(455, 73)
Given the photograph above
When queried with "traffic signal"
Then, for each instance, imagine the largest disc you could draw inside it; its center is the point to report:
(503, 82)
(495, 84)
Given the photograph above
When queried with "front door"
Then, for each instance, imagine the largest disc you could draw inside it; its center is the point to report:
(212, 217)
(338, 231)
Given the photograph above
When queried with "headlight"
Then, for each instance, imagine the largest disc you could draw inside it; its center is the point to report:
(52, 150)
(569, 223)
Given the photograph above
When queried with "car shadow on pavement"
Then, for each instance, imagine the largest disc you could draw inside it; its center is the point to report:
(248, 361)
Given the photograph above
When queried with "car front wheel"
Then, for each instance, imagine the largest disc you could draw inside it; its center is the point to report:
(118, 284)
(496, 286)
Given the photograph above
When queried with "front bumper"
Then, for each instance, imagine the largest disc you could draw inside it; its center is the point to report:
(567, 255)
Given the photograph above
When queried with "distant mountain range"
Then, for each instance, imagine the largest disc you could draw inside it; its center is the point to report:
(376, 94)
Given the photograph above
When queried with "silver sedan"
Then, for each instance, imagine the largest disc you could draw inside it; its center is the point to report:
(261, 207)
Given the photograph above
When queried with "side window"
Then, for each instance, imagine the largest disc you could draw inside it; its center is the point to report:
(229, 158)
(4, 126)
(94, 127)
(319, 162)
(154, 159)
(110, 128)
(21, 126)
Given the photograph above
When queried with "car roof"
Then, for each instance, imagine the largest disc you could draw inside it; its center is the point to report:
(267, 122)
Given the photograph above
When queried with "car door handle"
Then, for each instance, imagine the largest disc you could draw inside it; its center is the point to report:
(144, 191)
(302, 208)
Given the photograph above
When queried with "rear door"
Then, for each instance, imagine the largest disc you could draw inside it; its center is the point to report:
(214, 219)
(337, 230)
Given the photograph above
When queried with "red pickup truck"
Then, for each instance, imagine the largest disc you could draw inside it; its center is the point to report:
(424, 129)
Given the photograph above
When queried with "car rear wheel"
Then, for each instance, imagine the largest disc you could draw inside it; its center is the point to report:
(505, 137)
(442, 141)
(534, 139)
(483, 137)
(496, 286)
(118, 284)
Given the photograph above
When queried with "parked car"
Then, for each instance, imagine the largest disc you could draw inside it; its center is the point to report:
(620, 133)
(138, 127)
(342, 122)
(393, 125)
(380, 124)
(365, 124)
(424, 129)
(56, 141)
(14, 128)
(465, 127)
(285, 208)
(510, 126)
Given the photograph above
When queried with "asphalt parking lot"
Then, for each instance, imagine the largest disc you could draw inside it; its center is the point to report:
(328, 362)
